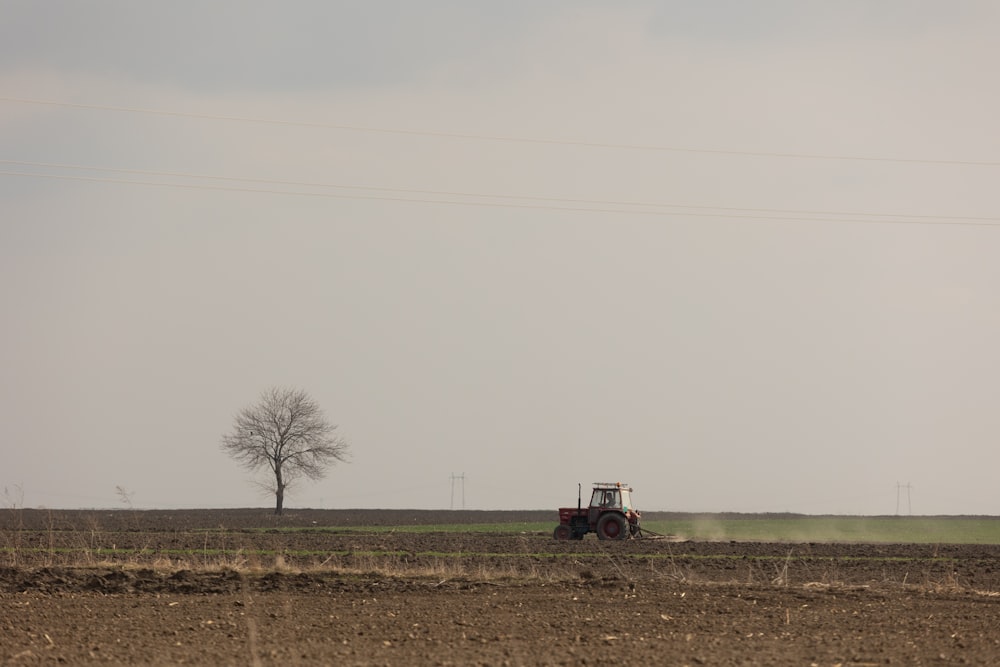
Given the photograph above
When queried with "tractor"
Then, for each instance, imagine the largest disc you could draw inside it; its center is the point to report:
(610, 514)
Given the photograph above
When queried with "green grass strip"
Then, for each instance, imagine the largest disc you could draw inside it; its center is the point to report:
(898, 530)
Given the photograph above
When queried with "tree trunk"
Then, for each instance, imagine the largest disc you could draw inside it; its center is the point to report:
(279, 491)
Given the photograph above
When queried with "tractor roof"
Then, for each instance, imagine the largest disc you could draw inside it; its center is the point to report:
(611, 485)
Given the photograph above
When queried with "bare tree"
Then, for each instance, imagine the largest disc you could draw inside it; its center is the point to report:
(287, 432)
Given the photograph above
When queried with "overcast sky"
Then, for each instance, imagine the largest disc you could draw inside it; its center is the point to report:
(743, 256)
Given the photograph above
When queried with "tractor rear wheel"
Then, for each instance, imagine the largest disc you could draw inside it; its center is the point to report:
(612, 526)
(562, 532)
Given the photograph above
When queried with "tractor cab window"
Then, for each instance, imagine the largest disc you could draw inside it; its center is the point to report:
(606, 498)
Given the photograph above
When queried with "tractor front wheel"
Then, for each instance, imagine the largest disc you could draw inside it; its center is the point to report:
(562, 532)
(612, 526)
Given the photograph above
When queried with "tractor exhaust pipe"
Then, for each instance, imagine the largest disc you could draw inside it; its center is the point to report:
(579, 497)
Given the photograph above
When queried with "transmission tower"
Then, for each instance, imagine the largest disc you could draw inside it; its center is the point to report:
(899, 489)
(457, 478)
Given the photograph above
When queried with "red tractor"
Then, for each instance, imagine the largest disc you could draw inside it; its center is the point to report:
(611, 515)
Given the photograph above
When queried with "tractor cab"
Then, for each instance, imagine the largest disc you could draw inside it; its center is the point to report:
(611, 497)
(605, 498)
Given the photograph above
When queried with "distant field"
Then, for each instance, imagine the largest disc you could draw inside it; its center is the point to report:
(697, 527)
(751, 528)
(892, 529)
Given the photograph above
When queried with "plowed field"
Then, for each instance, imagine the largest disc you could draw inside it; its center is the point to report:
(241, 588)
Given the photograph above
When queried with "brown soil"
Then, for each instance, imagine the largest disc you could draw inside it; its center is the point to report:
(139, 588)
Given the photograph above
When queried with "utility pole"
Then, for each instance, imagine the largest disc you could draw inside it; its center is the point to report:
(909, 504)
(455, 478)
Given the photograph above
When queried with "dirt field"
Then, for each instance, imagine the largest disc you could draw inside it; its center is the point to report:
(236, 588)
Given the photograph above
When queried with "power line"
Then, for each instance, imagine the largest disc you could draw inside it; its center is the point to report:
(480, 195)
(501, 138)
(509, 201)
(791, 217)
